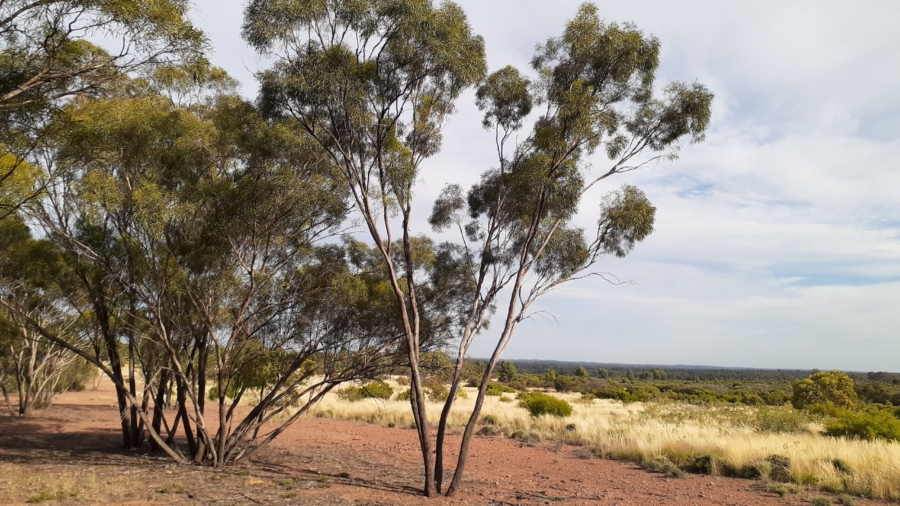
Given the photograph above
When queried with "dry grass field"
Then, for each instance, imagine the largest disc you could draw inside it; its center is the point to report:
(734, 441)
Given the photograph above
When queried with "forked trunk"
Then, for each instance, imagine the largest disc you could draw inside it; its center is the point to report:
(417, 401)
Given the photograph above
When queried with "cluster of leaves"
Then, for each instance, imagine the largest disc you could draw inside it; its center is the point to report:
(370, 390)
(539, 404)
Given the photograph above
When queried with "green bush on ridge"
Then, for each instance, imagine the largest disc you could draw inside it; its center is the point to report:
(543, 404)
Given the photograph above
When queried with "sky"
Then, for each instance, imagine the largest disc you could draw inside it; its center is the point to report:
(777, 241)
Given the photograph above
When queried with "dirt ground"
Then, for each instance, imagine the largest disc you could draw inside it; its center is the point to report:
(70, 454)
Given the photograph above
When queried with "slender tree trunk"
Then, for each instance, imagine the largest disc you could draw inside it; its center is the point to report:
(158, 405)
(136, 437)
(6, 398)
(442, 427)
(417, 400)
(470, 426)
(115, 365)
(181, 401)
(508, 329)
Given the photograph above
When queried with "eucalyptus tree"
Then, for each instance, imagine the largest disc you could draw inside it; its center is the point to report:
(38, 369)
(595, 87)
(202, 224)
(51, 50)
(373, 83)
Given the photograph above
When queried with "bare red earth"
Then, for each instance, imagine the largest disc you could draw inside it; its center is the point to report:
(328, 462)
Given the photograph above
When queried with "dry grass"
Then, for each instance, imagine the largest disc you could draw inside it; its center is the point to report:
(20, 485)
(729, 437)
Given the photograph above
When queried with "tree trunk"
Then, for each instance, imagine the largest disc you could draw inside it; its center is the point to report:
(181, 401)
(158, 406)
(136, 436)
(6, 398)
(417, 401)
(470, 427)
(442, 426)
(115, 365)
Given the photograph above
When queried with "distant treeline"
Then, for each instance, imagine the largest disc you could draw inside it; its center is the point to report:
(701, 373)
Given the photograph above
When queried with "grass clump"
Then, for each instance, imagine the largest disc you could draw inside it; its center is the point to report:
(487, 431)
(46, 495)
(543, 404)
(531, 438)
(846, 500)
(664, 466)
(174, 488)
(820, 501)
(784, 489)
(490, 420)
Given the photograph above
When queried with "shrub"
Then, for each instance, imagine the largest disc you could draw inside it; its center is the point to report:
(487, 430)
(404, 395)
(662, 465)
(832, 386)
(376, 390)
(781, 419)
(489, 420)
(820, 501)
(542, 404)
(496, 389)
(371, 390)
(526, 437)
(867, 426)
(786, 489)
(846, 500)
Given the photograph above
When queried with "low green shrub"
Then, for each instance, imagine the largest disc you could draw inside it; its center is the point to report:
(781, 419)
(820, 501)
(846, 500)
(543, 404)
(488, 430)
(526, 437)
(868, 426)
(489, 420)
(784, 489)
(497, 389)
(662, 465)
(371, 390)
(404, 395)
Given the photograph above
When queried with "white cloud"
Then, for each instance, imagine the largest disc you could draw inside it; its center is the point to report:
(778, 239)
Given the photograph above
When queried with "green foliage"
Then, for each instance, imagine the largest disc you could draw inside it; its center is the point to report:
(869, 426)
(543, 404)
(489, 420)
(506, 372)
(781, 419)
(833, 386)
(404, 395)
(819, 501)
(496, 389)
(371, 390)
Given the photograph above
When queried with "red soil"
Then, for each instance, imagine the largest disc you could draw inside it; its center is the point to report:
(330, 462)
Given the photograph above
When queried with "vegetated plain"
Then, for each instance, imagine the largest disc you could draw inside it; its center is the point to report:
(69, 453)
(739, 423)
